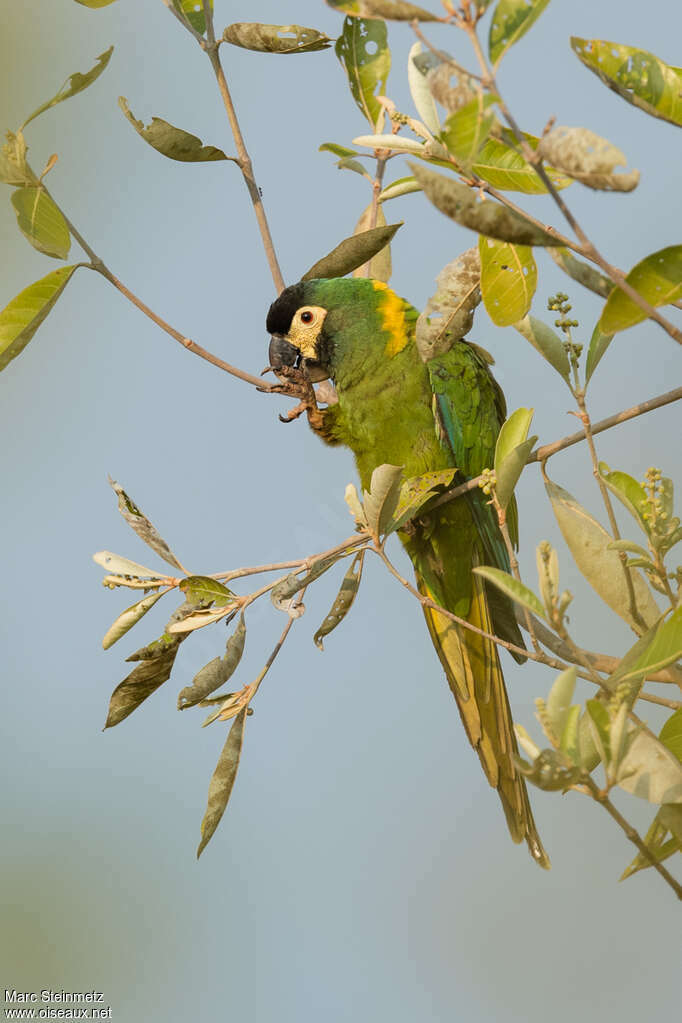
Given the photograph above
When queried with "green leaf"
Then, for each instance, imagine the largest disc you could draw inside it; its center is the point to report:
(511, 21)
(583, 273)
(344, 600)
(658, 279)
(382, 499)
(449, 313)
(394, 10)
(141, 525)
(671, 734)
(351, 253)
(628, 491)
(422, 96)
(503, 167)
(513, 589)
(122, 566)
(546, 342)
(13, 167)
(193, 12)
(598, 344)
(251, 35)
(20, 319)
(156, 664)
(170, 141)
(589, 543)
(509, 277)
(587, 158)
(600, 725)
(355, 506)
(463, 205)
(217, 672)
(548, 576)
(76, 83)
(637, 75)
(465, 131)
(511, 453)
(222, 780)
(41, 222)
(559, 700)
(402, 186)
(363, 51)
(203, 591)
(380, 267)
(414, 494)
(95, 4)
(650, 771)
(569, 739)
(656, 649)
(282, 594)
(654, 841)
(128, 618)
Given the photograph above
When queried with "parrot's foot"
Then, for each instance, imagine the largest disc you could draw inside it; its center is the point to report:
(295, 384)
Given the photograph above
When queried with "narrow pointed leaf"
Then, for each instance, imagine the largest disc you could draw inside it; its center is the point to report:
(581, 272)
(95, 4)
(658, 279)
(128, 618)
(77, 82)
(251, 35)
(511, 453)
(117, 565)
(414, 494)
(559, 700)
(142, 526)
(222, 781)
(380, 267)
(569, 739)
(600, 725)
(629, 492)
(170, 141)
(193, 12)
(421, 94)
(546, 342)
(402, 144)
(509, 278)
(461, 204)
(589, 542)
(403, 186)
(656, 844)
(41, 222)
(352, 252)
(514, 589)
(382, 499)
(511, 20)
(343, 601)
(355, 505)
(20, 319)
(655, 650)
(599, 342)
(156, 664)
(363, 51)
(636, 75)
(217, 672)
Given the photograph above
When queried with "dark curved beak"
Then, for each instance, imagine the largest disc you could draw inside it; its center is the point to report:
(281, 353)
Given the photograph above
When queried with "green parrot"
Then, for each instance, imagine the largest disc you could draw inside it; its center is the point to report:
(394, 408)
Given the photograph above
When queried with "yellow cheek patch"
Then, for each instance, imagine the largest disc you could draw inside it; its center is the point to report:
(392, 309)
(304, 336)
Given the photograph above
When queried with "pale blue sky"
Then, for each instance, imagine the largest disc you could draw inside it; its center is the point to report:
(363, 870)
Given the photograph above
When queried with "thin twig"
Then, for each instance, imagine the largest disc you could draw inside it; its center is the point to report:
(601, 797)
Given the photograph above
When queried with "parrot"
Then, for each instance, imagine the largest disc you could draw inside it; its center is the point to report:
(395, 408)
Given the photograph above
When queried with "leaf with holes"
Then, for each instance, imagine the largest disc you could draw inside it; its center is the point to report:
(637, 75)
(508, 280)
(193, 12)
(393, 10)
(41, 222)
(222, 780)
(20, 319)
(344, 600)
(170, 141)
(352, 252)
(587, 158)
(658, 279)
(449, 313)
(75, 84)
(489, 218)
(414, 494)
(251, 35)
(363, 51)
(511, 20)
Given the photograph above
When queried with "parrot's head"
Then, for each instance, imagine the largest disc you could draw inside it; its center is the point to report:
(320, 325)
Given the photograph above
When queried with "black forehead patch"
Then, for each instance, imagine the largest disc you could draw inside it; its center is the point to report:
(282, 310)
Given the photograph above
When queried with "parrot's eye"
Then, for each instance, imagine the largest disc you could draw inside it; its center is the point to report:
(307, 316)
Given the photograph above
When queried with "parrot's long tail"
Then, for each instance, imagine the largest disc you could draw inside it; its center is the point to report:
(472, 666)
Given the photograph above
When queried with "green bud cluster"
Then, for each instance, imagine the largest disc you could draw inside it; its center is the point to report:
(487, 481)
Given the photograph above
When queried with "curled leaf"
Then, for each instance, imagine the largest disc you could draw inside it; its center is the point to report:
(403, 186)
(449, 314)
(343, 601)
(283, 593)
(461, 204)
(142, 526)
(251, 35)
(587, 158)
(170, 141)
(77, 81)
(217, 672)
